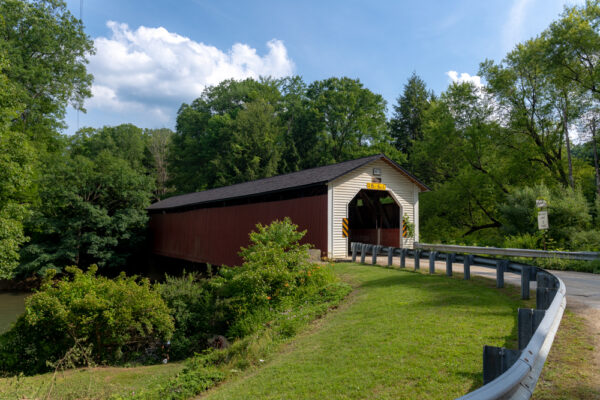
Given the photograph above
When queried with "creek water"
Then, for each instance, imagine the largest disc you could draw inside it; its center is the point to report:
(12, 304)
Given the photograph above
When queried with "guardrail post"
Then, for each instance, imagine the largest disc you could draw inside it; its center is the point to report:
(374, 251)
(363, 253)
(449, 260)
(354, 246)
(390, 256)
(525, 278)
(546, 289)
(467, 266)
(500, 268)
(529, 320)
(417, 259)
(432, 257)
(403, 258)
(496, 360)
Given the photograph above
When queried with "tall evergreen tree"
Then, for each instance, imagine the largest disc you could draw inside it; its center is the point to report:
(406, 125)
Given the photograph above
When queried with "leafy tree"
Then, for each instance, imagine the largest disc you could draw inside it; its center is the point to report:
(241, 130)
(201, 147)
(46, 48)
(406, 125)
(574, 45)
(589, 124)
(93, 212)
(462, 155)
(16, 157)
(144, 149)
(305, 141)
(526, 93)
(353, 117)
(16, 170)
(159, 141)
(256, 148)
(125, 141)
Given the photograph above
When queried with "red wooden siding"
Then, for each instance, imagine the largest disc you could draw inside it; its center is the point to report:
(389, 236)
(215, 235)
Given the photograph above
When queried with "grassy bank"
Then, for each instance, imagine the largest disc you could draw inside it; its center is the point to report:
(87, 383)
(399, 334)
(569, 372)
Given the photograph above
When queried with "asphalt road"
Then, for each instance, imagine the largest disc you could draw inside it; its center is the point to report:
(583, 289)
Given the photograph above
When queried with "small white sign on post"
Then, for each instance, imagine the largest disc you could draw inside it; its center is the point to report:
(543, 220)
(540, 203)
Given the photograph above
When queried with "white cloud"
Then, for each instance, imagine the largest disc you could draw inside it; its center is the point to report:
(527, 18)
(513, 28)
(465, 77)
(154, 70)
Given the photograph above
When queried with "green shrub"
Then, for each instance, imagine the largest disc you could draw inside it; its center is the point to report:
(524, 241)
(192, 306)
(586, 240)
(276, 274)
(117, 319)
(275, 293)
(275, 267)
(562, 264)
(568, 213)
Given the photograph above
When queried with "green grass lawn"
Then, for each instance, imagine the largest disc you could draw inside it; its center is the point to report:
(401, 335)
(87, 383)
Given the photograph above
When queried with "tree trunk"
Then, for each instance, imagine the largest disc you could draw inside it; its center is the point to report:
(595, 151)
(568, 142)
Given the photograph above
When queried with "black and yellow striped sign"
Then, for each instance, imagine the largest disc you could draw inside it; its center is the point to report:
(404, 231)
(345, 229)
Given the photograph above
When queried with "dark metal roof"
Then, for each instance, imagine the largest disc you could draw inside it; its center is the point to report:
(294, 180)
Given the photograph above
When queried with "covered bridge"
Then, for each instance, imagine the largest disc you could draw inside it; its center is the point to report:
(372, 193)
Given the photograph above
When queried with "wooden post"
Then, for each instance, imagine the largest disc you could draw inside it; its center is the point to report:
(403, 258)
(374, 251)
(417, 259)
(354, 250)
(390, 256)
(363, 253)
(467, 265)
(500, 265)
(432, 256)
(525, 278)
(449, 260)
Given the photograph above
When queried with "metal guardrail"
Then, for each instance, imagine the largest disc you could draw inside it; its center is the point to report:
(507, 374)
(571, 255)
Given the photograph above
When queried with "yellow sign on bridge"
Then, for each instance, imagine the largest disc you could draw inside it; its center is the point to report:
(376, 186)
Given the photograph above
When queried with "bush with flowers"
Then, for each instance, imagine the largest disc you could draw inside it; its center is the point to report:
(276, 273)
(276, 276)
(275, 292)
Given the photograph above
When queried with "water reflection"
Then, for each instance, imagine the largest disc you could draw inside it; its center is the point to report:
(12, 304)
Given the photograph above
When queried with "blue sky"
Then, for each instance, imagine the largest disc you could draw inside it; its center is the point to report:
(152, 56)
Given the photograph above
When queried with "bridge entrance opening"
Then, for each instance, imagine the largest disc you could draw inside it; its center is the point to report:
(375, 217)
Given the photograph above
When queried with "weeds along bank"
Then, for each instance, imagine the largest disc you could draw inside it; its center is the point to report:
(84, 319)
